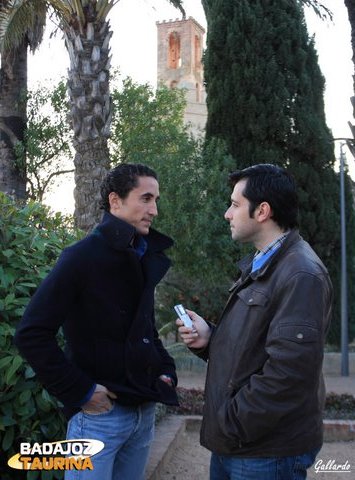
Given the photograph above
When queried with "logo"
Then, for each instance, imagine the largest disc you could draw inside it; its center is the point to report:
(61, 455)
(332, 466)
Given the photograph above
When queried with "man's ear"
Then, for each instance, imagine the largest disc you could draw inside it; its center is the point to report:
(115, 202)
(263, 212)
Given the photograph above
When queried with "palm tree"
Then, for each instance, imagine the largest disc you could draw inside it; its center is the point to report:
(13, 87)
(87, 35)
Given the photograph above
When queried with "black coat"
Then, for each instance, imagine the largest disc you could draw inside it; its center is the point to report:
(103, 297)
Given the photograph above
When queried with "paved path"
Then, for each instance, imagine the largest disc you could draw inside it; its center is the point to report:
(190, 461)
(338, 384)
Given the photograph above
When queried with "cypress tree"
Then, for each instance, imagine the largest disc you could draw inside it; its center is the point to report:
(265, 100)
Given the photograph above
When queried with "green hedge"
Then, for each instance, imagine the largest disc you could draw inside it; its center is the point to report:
(31, 239)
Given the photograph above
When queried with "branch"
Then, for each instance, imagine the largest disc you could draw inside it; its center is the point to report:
(49, 157)
(320, 10)
(55, 174)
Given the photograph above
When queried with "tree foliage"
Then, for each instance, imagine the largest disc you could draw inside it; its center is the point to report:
(30, 242)
(321, 10)
(13, 87)
(149, 128)
(46, 148)
(147, 124)
(265, 100)
(87, 34)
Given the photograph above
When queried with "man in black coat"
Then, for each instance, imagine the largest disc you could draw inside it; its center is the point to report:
(101, 291)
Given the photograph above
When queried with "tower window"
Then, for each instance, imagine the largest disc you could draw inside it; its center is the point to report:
(174, 50)
(197, 51)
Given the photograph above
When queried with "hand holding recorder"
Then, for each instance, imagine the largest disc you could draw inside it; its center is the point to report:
(193, 329)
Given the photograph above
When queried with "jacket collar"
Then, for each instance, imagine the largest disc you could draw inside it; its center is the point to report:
(119, 234)
(246, 262)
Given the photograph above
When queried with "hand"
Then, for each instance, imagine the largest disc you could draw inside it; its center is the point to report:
(101, 401)
(167, 379)
(199, 335)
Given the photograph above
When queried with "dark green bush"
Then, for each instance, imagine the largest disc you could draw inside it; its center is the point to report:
(31, 239)
(340, 406)
(336, 406)
(191, 402)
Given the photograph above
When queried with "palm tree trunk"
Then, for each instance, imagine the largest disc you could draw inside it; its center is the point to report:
(13, 88)
(91, 164)
(91, 112)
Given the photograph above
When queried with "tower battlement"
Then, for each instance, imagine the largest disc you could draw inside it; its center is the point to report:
(180, 48)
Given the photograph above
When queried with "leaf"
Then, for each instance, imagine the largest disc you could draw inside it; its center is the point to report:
(28, 284)
(8, 253)
(46, 397)
(7, 421)
(8, 438)
(9, 299)
(42, 404)
(16, 363)
(5, 361)
(29, 372)
(25, 396)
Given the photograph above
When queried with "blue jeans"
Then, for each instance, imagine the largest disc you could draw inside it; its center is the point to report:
(127, 433)
(275, 468)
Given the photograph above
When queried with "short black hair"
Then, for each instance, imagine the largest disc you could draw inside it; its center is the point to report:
(271, 184)
(121, 180)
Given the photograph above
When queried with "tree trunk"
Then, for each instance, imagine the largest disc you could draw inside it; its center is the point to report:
(91, 165)
(91, 112)
(13, 88)
(350, 5)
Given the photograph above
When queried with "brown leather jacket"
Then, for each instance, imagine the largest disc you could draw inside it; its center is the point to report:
(265, 390)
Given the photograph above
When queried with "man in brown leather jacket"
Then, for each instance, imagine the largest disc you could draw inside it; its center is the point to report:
(264, 390)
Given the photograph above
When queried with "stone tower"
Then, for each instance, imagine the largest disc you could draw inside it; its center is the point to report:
(180, 47)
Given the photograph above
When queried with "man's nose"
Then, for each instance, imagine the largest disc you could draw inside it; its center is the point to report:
(227, 214)
(153, 210)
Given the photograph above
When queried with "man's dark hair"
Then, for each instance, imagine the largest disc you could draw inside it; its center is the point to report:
(121, 180)
(271, 184)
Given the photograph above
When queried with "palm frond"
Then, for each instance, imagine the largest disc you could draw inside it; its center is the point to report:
(78, 10)
(65, 10)
(178, 4)
(35, 34)
(103, 7)
(17, 19)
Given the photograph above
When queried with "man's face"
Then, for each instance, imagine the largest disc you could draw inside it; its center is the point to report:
(139, 207)
(243, 228)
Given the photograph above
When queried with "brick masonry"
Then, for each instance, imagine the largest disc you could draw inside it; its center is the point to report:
(180, 47)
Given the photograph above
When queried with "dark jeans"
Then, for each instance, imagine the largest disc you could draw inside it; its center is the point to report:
(275, 468)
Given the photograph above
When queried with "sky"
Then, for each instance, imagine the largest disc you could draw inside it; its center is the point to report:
(134, 52)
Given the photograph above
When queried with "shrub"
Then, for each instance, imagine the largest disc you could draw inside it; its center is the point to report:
(30, 241)
(336, 406)
(340, 406)
(191, 402)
